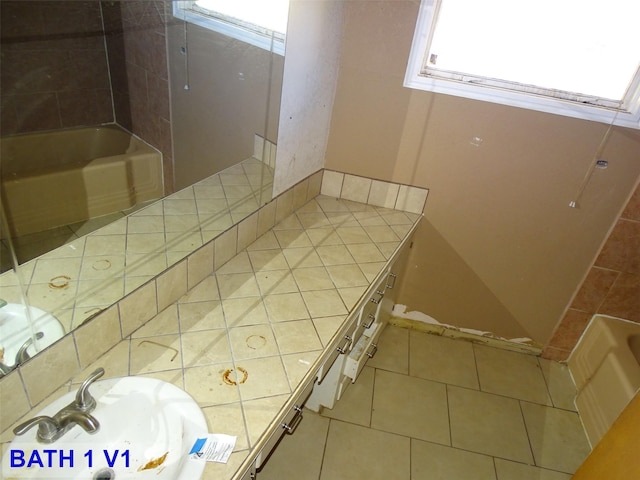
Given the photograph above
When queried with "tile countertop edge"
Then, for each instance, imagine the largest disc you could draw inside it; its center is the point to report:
(312, 373)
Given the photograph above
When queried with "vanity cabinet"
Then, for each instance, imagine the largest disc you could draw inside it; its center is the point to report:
(358, 340)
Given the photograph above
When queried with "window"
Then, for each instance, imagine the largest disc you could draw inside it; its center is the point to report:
(262, 23)
(578, 58)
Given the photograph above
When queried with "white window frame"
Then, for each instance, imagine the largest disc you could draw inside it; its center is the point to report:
(252, 34)
(627, 115)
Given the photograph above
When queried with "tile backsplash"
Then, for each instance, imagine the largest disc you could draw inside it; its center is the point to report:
(35, 380)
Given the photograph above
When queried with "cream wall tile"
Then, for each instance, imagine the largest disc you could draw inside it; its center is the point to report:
(171, 285)
(411, 199)
(297, 365)
(199, 265)
(238, 285)
(315, 185)
(507, 470)
(266, 217)
(206, 290)
(225, 247)
(46, 372)
(332, 183)
(383, 194)
(327, 327)
(356, 188)
(324, 303)
(300, 191)
(201, 316)
(252, 341)
(13, 400)
(115, 363)
(284, 205)
(244, 311)
(247, 231)
(137, 308)
(98, 335)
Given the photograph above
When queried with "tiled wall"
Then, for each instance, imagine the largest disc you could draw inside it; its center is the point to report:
(136, 41)
(54, 66)
(612, 286)
(35, 380)
(56, 73)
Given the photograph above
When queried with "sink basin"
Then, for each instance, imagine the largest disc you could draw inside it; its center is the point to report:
(147, 428)
(15, 331)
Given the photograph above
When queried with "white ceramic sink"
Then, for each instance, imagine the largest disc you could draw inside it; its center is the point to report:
(15, 331)
(147, 428)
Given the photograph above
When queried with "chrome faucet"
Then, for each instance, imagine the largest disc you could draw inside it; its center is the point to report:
(77, 412)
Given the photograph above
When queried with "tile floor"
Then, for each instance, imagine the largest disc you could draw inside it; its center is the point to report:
(431, 407)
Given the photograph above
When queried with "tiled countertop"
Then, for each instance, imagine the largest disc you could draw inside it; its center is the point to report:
(242, 340)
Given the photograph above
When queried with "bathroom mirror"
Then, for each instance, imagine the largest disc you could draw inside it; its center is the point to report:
(207, 101)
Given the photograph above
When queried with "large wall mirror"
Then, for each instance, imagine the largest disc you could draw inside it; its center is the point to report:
(105, 86)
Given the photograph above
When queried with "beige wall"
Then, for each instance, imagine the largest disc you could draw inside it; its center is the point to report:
(232, 86)
(499, 250)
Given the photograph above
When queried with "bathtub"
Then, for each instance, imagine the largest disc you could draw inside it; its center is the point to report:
(63, 177)
(605, 365)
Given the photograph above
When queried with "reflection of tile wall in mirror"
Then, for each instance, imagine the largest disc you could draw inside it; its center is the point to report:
(79, 279)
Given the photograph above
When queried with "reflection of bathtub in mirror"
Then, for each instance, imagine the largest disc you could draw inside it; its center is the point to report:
(79, 279)
(102, 170)
(18, 342)
(605, 365)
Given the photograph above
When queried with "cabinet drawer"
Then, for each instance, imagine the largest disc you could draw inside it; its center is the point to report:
(364, 350)
(287, 425)
(344, 345)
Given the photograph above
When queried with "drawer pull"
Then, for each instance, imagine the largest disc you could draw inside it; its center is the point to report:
(391, 280)
(295, 421)
(372, 350)
(347, 343)
(372, 318)
(377, 300)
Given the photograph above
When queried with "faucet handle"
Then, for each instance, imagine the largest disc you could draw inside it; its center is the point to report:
(47, 426)
(84, 401)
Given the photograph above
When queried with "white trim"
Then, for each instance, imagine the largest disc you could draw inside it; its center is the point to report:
(266, 42)
(415, 78)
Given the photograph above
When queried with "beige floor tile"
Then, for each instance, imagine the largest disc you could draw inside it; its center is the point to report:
(350, 451)
(355, 405)
(259, 413)
(346, 276)
(276, 281)
(365, 253)
(410, 406)
(253, 341)
(489, 424)
(430, 461)
(302, 257)
(292, 238)
(244, 311)
(299, 456)
(334, 255)
(324, 303)
(238, 285)
(201, 316)
(205, 347)
(286, 306)
(154, 354)
(511, 374)
(560, 384)
(296, 336)
(393, 351)
(228, 420)
(507, 470)
(442, 359)
(265, 377)
(207, 384)
(557, 438)
(315, 278)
